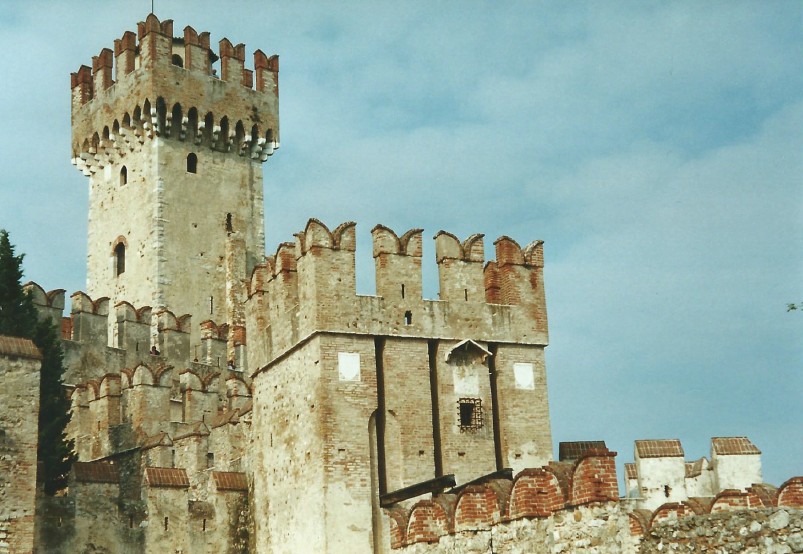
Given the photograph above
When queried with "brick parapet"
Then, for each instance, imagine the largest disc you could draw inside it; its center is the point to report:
(187, 100)
(310, 286)
(132, 332)
(536, 495)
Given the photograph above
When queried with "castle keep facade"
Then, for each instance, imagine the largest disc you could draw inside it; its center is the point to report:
(225, 401)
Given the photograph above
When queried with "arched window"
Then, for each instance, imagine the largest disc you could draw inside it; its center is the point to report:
(123, 175)
(192, 163)
(119, 258)
(177, 60)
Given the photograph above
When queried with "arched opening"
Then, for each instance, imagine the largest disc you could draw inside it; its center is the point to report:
(119, 258)
(175, 121)
(192, 163)
(177, 61)
(123, 175)
(209, 123)
(192, 123)
(161, 115)
(223, 139)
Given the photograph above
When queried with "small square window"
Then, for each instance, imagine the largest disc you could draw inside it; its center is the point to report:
(469, 414)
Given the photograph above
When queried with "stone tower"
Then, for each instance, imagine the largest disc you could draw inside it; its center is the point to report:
(173, 149)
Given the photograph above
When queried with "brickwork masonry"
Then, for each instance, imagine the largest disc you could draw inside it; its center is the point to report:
(574, 507)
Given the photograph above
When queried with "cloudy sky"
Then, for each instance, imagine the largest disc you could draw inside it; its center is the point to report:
(656, 148)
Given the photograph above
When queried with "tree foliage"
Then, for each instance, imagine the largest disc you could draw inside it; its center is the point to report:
(18, 318)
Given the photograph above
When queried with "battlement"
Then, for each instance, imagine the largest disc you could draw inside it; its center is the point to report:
(532, 493)
(130, 409)
(539, 500)
(126, 336)
(235, 111)
(310, 286)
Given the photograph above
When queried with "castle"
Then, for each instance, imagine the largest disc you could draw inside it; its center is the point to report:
(224, 401)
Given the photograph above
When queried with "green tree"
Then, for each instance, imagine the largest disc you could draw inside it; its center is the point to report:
(18, 318)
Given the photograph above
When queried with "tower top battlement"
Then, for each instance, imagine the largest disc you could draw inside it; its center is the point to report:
(154, 84)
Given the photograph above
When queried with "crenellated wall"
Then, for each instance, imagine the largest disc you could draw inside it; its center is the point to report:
(309, 286)
(112, 112)
(173, 150)
(395, 386)
(574, 507)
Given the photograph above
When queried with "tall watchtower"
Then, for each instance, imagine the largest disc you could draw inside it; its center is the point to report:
(173, 148)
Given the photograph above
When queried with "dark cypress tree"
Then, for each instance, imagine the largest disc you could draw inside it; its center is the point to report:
(18, 318)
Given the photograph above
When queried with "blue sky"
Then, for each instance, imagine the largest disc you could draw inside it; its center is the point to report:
(656, 148)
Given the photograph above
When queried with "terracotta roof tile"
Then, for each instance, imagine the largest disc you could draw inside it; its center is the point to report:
(167, 477)
(630, 471)
(14, 346)
(96, 472)
(695, 468)
(666, 448)
(730, 446)
(230, 481)
(570, 451)
(197, 429)
(224, 418)
(159, 439)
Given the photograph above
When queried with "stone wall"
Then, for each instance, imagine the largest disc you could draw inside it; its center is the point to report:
(760, 531)
(584, 530)
(20, 361)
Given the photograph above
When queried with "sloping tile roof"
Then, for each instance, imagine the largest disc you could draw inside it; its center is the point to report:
(197, 429)
(730, 446)
(159, 439)
(175, 477)
(230, 481)
(224, 418)
(14, 346)
(570, 451)
(96, 472)
(666, 448)
(695, 468)
(630, 471)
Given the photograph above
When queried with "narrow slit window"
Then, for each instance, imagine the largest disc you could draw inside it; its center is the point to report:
(465, 292)
(192, 163)
(167, 523)
(123, 175)
(119, 258)
(229, 225)
(402, 290)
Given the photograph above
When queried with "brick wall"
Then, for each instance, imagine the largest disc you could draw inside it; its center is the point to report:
(19, 399)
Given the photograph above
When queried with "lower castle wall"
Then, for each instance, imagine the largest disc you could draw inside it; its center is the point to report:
(604, 529)
(598, 529)
(757, 531)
